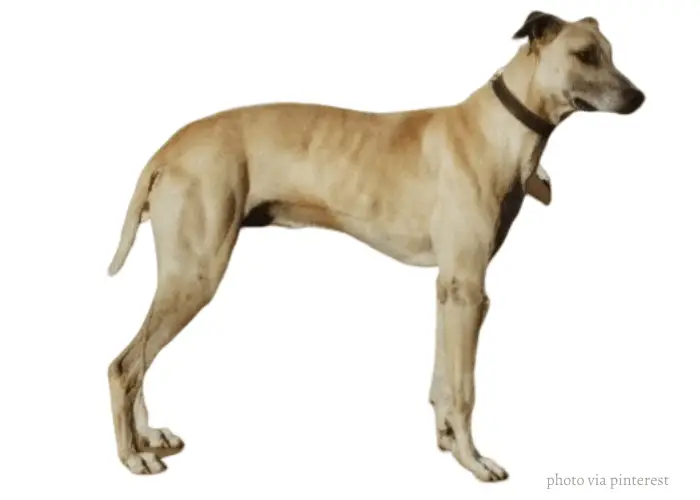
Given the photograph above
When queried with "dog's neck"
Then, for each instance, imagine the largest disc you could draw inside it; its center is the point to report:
(519, 146)
(519, 77)
(533, 121)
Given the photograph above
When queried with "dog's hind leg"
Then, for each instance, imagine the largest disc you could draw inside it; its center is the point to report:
(196, 221)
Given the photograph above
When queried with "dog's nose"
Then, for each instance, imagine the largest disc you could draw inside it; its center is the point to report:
(633, 99)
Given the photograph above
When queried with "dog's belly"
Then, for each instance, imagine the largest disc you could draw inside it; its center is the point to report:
(407, 243)
(414, 249)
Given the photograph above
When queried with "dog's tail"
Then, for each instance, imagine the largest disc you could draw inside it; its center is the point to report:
(134, 216)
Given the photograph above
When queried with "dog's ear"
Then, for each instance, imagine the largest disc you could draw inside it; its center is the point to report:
(539, 186)
(539, 26)
(590, 20)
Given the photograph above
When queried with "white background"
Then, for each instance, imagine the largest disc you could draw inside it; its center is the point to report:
(308, 374)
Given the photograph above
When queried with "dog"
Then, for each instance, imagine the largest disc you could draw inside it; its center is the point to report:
(437, 187)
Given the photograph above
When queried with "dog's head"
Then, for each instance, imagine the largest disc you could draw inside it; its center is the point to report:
(575, 69)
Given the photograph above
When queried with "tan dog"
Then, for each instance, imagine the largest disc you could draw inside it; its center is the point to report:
(435, 187)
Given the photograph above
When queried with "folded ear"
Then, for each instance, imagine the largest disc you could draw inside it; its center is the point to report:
(539, 186)
(539, 26)
(590, 20)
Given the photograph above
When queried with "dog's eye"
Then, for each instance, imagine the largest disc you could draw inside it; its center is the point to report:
(588, 56)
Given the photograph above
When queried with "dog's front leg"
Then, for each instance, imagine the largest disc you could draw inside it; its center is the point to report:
(440, 393)
(462, 304)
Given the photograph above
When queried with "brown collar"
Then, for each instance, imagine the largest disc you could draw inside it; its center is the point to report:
(519, 111)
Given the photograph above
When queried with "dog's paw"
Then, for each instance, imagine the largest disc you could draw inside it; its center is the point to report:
(162, 442)
(495, 471)
(483, 468)
(145, 463)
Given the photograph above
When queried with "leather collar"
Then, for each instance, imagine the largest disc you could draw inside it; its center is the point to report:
(528, 118)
